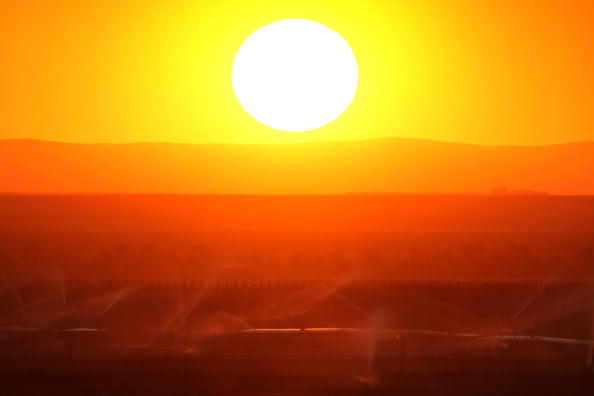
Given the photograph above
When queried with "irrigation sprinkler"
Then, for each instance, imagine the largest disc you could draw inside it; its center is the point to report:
(402, 354)
(69, 352)
(70, 355)
(186, 364)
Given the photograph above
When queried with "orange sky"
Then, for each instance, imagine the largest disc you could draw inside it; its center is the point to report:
(487, 72)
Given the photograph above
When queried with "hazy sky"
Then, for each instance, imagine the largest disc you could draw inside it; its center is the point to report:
(487, 72)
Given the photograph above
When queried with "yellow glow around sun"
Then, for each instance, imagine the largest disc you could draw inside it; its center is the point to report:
(295, 75)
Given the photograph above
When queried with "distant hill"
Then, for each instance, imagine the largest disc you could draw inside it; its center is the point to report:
(393, 165)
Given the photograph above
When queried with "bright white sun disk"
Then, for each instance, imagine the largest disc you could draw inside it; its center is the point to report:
(295, 75)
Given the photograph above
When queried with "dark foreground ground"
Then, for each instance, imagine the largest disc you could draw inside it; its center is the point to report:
(301, 363)
(303, 377)
(297, 338)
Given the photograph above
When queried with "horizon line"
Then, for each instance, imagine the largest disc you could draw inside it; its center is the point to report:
(156, 142)
(519, 194)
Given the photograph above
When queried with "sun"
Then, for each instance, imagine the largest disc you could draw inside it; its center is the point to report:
(295, 75)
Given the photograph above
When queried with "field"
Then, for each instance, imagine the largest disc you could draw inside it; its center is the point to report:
(314, 337)
(178, 295)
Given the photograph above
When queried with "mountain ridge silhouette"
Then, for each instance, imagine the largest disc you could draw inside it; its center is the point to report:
(386, 165)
